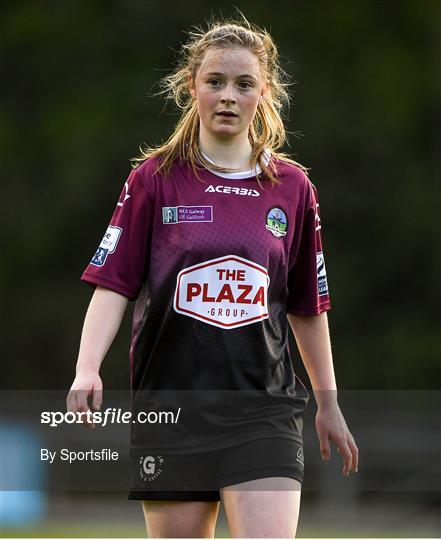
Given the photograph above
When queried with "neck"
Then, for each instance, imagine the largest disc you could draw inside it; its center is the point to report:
(232, 153)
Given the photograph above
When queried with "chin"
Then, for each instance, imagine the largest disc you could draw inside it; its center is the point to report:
(224, 135)
(225, 131)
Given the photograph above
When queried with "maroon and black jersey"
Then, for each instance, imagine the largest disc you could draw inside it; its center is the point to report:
(214, 266)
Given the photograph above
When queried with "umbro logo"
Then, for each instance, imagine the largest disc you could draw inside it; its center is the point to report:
(234, 190)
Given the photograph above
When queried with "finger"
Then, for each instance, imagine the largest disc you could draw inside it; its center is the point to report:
(82, 407)
(81, 396)
(347, 457)
(97, 399)
(325, 448)
(354, 451)
(71, 401)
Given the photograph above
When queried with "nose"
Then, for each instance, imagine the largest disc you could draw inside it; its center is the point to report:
(228, 100)
(228, 95)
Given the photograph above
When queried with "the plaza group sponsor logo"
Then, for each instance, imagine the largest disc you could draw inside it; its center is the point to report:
(227, 292)
(233, 190)
(322, 281)
(107, 246)
(276, 221)
(150, 467)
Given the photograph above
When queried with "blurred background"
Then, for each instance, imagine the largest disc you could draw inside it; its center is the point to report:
(76, 103)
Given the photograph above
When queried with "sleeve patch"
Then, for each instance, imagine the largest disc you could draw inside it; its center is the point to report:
(107, 246)
(321, 275)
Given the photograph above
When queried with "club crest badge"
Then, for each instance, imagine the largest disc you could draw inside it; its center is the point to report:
(277, 222)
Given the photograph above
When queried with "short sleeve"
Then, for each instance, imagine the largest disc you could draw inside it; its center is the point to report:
(308, 292)
(120, 262)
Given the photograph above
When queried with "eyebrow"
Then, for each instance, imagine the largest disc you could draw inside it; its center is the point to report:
(238, 77)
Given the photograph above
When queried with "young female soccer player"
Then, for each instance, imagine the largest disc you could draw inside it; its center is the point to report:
(217, 236)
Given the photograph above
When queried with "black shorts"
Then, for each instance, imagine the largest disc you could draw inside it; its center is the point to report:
(199, 476)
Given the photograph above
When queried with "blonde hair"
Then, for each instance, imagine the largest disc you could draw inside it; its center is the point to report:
(267, 130)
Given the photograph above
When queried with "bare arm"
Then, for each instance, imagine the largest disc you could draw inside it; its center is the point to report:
(101, 324)
(314, 344)
(313, 341)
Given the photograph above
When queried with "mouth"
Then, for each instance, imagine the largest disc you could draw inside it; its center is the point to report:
(227, 114)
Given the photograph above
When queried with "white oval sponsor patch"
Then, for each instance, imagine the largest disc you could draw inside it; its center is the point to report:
(107, 246)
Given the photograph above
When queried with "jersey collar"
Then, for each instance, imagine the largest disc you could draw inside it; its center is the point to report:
(240, 175)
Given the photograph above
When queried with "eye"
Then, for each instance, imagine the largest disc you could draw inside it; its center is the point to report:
(245, 84)
(213, 82)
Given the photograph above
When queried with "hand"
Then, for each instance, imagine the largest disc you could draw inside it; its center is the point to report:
(331, 426)
(86, 384)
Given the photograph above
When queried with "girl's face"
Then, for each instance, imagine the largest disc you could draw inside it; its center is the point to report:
(228, 80)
